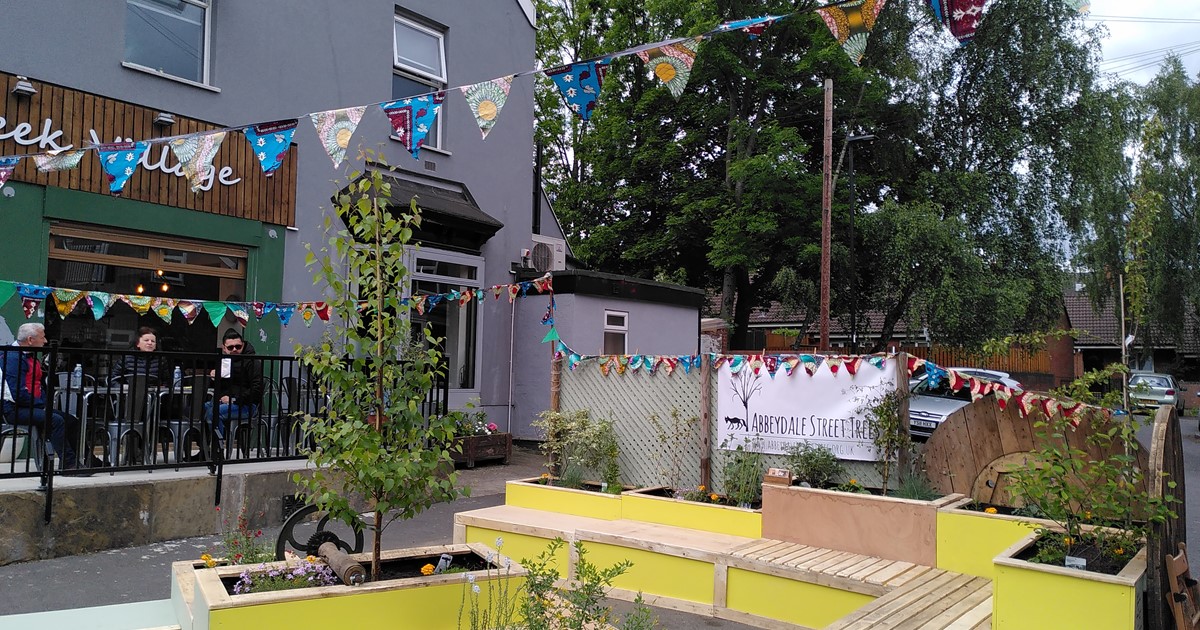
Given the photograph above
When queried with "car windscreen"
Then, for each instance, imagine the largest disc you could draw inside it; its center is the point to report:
(1149, 381)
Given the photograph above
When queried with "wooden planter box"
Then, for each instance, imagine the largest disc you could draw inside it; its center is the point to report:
(867, 524)
(643, 505)
(202, 602)
(529, 493)
(1028, 595)
(479, 448)
(968, 540)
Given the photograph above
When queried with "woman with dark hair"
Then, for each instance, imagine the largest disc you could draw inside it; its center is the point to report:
(143, 362)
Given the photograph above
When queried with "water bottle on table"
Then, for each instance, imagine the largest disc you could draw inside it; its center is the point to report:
(77, 377)
(178, 378)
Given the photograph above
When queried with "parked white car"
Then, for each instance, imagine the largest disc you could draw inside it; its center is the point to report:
(929, 406)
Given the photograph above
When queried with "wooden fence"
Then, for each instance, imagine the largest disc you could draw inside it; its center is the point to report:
(1016, 361)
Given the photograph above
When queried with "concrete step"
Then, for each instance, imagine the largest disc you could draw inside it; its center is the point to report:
(152, 615)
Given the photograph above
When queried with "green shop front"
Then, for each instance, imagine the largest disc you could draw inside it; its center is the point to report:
(158, 239)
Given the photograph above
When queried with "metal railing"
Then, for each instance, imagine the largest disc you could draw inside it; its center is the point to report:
(147, 411)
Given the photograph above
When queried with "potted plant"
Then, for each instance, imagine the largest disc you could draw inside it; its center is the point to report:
(476, 439)
(1099, 509)
(370, 444)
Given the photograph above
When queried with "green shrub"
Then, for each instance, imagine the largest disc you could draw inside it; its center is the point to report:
(814, 464)
(743, 473)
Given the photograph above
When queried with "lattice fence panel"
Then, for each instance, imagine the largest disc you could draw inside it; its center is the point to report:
(629, 399)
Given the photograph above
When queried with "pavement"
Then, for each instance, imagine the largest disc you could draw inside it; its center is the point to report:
(137, 574)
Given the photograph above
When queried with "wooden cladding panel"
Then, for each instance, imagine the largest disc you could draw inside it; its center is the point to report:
(76, 114)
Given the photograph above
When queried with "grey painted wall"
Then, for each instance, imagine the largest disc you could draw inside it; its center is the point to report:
(273, 59)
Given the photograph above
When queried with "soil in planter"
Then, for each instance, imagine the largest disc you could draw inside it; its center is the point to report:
(590, 486)
(397, 569)
(671, 494)
(1096, 562)
(975, 506)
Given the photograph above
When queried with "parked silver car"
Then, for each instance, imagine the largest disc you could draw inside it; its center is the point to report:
(929, 405)
(1151, 390)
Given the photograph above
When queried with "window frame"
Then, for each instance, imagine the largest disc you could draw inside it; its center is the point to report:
(206, 54)
(466, 260)
(616, 328)
(435, 83)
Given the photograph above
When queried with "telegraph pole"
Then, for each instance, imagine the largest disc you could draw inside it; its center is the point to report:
(826, 214)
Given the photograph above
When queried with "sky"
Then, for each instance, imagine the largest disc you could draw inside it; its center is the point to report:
(1144, 28)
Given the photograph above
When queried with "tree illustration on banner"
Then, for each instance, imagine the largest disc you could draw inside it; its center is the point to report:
(745, 386)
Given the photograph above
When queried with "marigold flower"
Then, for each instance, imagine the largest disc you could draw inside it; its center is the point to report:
(990, 510)
(1067, 541)
(713, 497)
(208, 560)
(427, 569)
(854, 482)
(701, 488)
(1087, 514)
(311, 558)
(1119, 551)
(545, 475)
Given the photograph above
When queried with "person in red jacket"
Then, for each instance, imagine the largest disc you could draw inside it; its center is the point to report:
(25, 378)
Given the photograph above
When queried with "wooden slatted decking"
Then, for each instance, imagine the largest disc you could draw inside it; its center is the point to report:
(935, 599)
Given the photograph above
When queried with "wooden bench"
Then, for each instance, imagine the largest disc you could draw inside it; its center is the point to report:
(935, 599)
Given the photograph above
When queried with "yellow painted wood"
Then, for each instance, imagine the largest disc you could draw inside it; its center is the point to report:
(563, 500)
(520, 547)
(1032, 597)
(967, 541)
(660, 574)
(417, 608)
(792, 601)
(720, 519)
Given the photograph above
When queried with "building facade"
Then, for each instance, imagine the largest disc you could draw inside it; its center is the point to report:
(78, 72)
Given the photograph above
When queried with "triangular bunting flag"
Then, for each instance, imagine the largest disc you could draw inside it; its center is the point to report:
(753, 26)
(878, 361)
(962, 16)
(852, 364)
(551, 335)
(335, 128)
(7, 166)
(58, 161)
(33, 291)
(190, 309)
(7, 290)
(579, 84)
(216, 311)
(270, 142)
(1002, 394)
(736, 363)
(164, 308)
(240, 311)
(604, 363)
(834, 363)
(1025, 403)
(139, 303)
(810, 363)
(957, 380)
(513, 291)
(30, 306)
(195, 155)
(789, 364)
(672, 63)
(622, 363)
(486, 99)
(119, 160)
(913, 364)
(850, 23)
(99, 301)
(412, 118)
(285, 311)
(772, 364)
(259, 309)
(66, 300)
(573, 360)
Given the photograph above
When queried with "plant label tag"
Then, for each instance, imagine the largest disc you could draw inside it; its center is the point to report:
(1073, 562)
(226, 367)
(779, 476)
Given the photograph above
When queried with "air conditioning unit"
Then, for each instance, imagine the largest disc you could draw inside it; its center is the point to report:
(548, 253)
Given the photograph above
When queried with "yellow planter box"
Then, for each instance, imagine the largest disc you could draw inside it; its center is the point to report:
(521, 547)
(637, 505)
(657, 574)
(792, 601)
(1028, 595)
(528, 493)
(968, 541)
(423, 602)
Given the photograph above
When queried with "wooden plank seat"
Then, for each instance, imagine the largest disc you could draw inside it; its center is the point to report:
(935, 599)
(843, 570)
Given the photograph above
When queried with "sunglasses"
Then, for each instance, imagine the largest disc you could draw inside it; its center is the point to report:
(236, 346)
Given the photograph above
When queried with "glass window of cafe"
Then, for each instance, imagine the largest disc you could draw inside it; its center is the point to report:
(88, 258)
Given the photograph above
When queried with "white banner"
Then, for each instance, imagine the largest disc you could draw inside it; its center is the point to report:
(775, 412)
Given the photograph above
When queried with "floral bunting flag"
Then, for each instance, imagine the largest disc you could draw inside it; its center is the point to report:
(689, 362)
(543, 284)
(418, 304)
(240, 311)
(285, 312)
(789, 364)
(30, 306)
(962, 16)
(672, 63)
(486, 99)
(139, 303)
(216, 311)
(604, 361)
(736, 363)
(811, 363)
(834, 364)
(270, 142)
(913, 364)
(163, 307)
(573, 360)
(772, 364)
(100, 301)
(1001, 393)
(1025, 403)
(497, 291)
(752, 27)
(851, 23)
(335, 128)
(412, 118)
(33, 291)
(190, 309)
(66, 300)
(1050, 407)
(579, 84)
(195, 155)
(636, 361)
(259, 309)
(465, 297)
(878, 361)
(58, 160)
(7, 166)
(513, 291)
(957, 381)
(119, 160)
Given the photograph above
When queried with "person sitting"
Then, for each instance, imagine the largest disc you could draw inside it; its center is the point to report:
(240, 389)
(144, 362)
(25, 379)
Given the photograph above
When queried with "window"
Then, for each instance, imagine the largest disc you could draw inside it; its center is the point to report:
(419, 67)
(168, 36)
(616, 325)
(438, 272)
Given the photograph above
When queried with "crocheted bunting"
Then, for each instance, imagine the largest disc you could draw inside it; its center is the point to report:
(270, 142)
(486, 99)
(579, 84)
(851, 24)
(195, 155)
(335, 128)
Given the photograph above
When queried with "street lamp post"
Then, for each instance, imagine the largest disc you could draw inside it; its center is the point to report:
(853, 247)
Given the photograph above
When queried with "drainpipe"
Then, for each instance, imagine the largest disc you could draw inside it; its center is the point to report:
(512, 327)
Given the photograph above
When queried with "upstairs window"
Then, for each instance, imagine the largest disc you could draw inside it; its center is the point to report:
(616, 325)
(168, 36)
(419, 67)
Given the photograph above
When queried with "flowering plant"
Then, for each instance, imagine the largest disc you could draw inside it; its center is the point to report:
(240, 544)
(303, 574)
(700, 494)
(472, 422)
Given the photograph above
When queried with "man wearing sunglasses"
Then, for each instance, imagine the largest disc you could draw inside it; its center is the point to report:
(237, 384)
